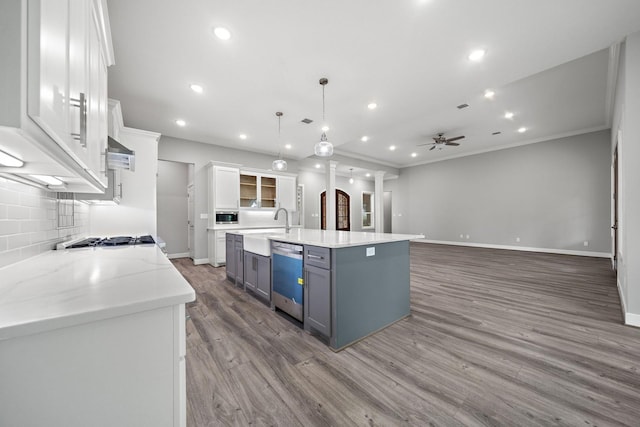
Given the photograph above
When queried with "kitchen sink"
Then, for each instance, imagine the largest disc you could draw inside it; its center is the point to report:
(258, 243)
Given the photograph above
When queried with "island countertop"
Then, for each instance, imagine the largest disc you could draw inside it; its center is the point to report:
(68, 287)
(339, 239)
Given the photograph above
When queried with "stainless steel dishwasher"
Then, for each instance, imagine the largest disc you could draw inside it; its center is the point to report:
(287, 278)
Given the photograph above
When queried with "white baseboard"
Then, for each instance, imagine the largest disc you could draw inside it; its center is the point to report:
(200, 261)
(519, 248)
(621, 295)
(632, 319)
(181, 255)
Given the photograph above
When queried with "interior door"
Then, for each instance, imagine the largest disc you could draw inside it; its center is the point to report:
(343, 210)
(614, 202)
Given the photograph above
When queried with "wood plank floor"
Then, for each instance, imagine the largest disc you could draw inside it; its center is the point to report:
(494, 338)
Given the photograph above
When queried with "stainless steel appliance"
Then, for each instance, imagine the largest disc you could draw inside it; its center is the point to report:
(287, 278)
(226, 217)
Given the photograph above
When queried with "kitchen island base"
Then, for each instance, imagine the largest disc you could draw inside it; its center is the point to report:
(369, 290)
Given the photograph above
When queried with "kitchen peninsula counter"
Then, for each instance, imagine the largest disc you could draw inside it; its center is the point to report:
(93, 336)
(69, 287)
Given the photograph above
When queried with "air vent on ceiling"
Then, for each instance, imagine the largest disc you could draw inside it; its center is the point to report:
(461, 106)
(306, 121)
(496, 133)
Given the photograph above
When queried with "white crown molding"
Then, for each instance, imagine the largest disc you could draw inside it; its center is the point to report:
(139, 132)
(513, 145)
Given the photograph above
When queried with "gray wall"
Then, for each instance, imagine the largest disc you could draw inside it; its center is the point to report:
(200, 154)
(552, 195)
(625, 120)
(172, 181)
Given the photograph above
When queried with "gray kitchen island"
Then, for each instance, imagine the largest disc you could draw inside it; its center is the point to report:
(354, 283)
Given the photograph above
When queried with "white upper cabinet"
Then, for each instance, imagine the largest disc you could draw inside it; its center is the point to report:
(226, 187)
(287, 193)
(48, 67)
(59, 51)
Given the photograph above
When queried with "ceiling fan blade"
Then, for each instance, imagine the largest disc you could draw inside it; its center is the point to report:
(455, 138)
(432, 148)
(451, 143)
(422, 145)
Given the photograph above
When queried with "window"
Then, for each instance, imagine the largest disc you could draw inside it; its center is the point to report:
(367, 209)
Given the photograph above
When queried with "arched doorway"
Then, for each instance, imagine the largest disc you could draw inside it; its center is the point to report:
(343, 210)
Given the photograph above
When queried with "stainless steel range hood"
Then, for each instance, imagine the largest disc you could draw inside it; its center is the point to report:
(120, 157)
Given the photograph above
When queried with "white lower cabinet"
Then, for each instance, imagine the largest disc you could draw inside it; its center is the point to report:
(122, 371)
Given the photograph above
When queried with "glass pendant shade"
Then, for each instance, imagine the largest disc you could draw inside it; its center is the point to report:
(323, 148)
(279, 165)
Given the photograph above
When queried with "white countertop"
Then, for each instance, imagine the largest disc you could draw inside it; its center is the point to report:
(338, 239)
(70, 287)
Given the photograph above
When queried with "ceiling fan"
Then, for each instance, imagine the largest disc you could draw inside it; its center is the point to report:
(440, 141)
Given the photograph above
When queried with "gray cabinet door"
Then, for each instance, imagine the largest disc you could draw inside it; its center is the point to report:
(317, 300)
(250, 271)
(231, 257)
(264, 277)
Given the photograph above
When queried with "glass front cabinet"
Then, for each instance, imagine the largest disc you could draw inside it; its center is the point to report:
(257, 191)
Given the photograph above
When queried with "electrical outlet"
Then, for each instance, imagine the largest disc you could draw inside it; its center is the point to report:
(585, 243)
(462, 236)
(467, 237)
(517, 239)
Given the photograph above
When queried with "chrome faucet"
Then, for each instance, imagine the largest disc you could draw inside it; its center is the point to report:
(287, 227)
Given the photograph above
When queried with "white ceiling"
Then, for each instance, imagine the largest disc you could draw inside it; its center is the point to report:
(547, 61)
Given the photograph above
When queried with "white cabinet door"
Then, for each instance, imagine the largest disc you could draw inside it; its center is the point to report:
(47, 88)
(221, 249)
(97, 104)
(287, 193)
(226, 187)
(66, 80)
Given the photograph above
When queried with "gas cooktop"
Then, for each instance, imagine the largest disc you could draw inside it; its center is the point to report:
(111, 241)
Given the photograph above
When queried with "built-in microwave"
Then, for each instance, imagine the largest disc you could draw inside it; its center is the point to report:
(226, 217)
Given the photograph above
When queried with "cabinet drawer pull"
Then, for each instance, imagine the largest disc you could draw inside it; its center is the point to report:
(315, 256)
(81, 103)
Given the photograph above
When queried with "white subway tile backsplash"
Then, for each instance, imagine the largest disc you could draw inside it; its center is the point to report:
(9, 227)
(9, 197)
(29, 221)
(17, 241)
(28, 226)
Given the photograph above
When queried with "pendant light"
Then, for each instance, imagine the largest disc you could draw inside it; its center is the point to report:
(279, 164)
(351, 179)
(323, 148)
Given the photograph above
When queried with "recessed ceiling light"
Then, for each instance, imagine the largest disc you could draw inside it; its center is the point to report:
(364, 139)
(477, 55)
(522, 129)
(368, 175)
(489, 94)
(325, 128)
(181, 123)
(288, 146)
(222, 33)
(414, 154)
(51, 180)
(196, 88)
(10, 161)
(318, 165)
(242, 136)
(393, 147)
(372, 106)
(508, 115)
